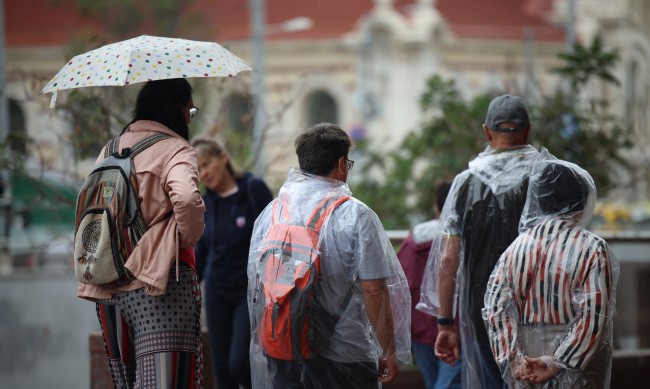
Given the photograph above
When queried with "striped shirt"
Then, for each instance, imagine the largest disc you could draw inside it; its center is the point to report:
(557, 273)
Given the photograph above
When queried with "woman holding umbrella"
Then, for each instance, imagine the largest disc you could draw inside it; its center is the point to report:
(233, 201)
(151, 325)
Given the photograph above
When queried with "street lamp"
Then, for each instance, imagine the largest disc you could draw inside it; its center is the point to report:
(259, 30)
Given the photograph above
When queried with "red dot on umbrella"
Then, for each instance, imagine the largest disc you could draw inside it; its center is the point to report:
(189, 60)
(70, 63)
(210, 59)
(159, 62)
(149, 54)
(188, 49)
(205, 74)
(88, 63)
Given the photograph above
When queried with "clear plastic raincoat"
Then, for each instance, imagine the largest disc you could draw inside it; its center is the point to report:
(480, 216)
(353, 247)
(549, 303)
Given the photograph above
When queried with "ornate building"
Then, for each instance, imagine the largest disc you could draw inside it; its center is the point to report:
(361, 63)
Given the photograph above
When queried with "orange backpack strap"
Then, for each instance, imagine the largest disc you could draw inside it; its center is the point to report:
(324, 209)
(278, 212)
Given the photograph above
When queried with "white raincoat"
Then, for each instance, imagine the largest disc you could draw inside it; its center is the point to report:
(353, 246)
(483, 208)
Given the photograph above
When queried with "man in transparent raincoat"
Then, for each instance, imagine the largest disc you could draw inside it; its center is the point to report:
(550, 300)
(479, 221)
(358, 319)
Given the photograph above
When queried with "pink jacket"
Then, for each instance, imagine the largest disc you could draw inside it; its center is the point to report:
(167, 176)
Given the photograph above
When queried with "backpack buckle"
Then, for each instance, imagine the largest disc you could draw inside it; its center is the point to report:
(125, 153)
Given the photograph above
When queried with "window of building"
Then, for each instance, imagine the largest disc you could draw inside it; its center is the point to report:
(321, 107)
(17, 136)
(236, 113)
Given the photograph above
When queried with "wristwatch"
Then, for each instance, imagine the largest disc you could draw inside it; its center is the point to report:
(445, 321)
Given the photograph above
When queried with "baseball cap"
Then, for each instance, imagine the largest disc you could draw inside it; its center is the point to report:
(507, 108)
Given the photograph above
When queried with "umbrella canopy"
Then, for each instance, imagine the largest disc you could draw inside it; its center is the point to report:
(145, 58)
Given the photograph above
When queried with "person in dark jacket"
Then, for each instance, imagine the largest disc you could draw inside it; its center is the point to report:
(233, 202)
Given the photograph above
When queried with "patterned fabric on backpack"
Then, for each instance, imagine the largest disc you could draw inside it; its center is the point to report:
(292, 324)
(109, 223)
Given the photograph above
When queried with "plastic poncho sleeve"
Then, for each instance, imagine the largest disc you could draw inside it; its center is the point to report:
(444, 252)
(593, 305)
(500, 321)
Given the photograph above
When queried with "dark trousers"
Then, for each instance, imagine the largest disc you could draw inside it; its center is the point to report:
(322, 373)
(229, 337)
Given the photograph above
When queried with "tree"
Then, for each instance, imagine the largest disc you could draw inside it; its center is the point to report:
(399, 184)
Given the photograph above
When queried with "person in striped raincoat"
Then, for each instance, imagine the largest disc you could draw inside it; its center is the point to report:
(549, 303)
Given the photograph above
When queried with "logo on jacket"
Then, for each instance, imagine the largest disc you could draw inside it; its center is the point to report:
(240, 222)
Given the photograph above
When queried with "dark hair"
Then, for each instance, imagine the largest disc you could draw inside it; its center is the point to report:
(320, 147)
(205, 146)
(162, 101)
(442, 190)
(561, 190)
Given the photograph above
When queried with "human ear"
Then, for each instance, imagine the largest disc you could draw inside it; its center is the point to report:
(487, 133)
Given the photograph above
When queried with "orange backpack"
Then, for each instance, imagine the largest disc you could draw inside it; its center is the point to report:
(286, 302)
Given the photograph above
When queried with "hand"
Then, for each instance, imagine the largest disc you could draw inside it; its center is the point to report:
(518, 368)
(448, 345)
(540, 370)
(388, 369)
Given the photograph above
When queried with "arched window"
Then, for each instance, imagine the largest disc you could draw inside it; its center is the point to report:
(321, 107)
(17, 136)
(236, 113)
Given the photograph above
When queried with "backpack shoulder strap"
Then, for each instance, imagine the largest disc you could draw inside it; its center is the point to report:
(146, 142)
(113, 145)
(324, 209)
(279, 212)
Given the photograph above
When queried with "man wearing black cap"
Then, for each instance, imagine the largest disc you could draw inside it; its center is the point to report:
(479, 221)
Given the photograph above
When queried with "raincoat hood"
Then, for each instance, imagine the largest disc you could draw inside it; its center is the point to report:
(302, 185)
(558, 190)
(502, 170)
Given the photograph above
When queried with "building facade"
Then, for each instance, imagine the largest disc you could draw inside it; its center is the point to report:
(363, 64)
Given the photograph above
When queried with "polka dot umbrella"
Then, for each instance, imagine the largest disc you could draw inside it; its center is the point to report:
(142, 59)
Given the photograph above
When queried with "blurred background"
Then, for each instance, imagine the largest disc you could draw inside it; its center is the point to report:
(410, 80)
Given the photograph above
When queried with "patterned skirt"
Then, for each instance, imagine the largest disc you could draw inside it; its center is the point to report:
(155, 341)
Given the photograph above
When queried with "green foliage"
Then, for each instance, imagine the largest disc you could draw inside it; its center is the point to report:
(399, 185)
(594, 140)
(586, 63)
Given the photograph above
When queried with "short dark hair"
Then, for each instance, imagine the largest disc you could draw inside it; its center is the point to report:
(162, 101)
(320, 147)
(561, 190)
(442, 190)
